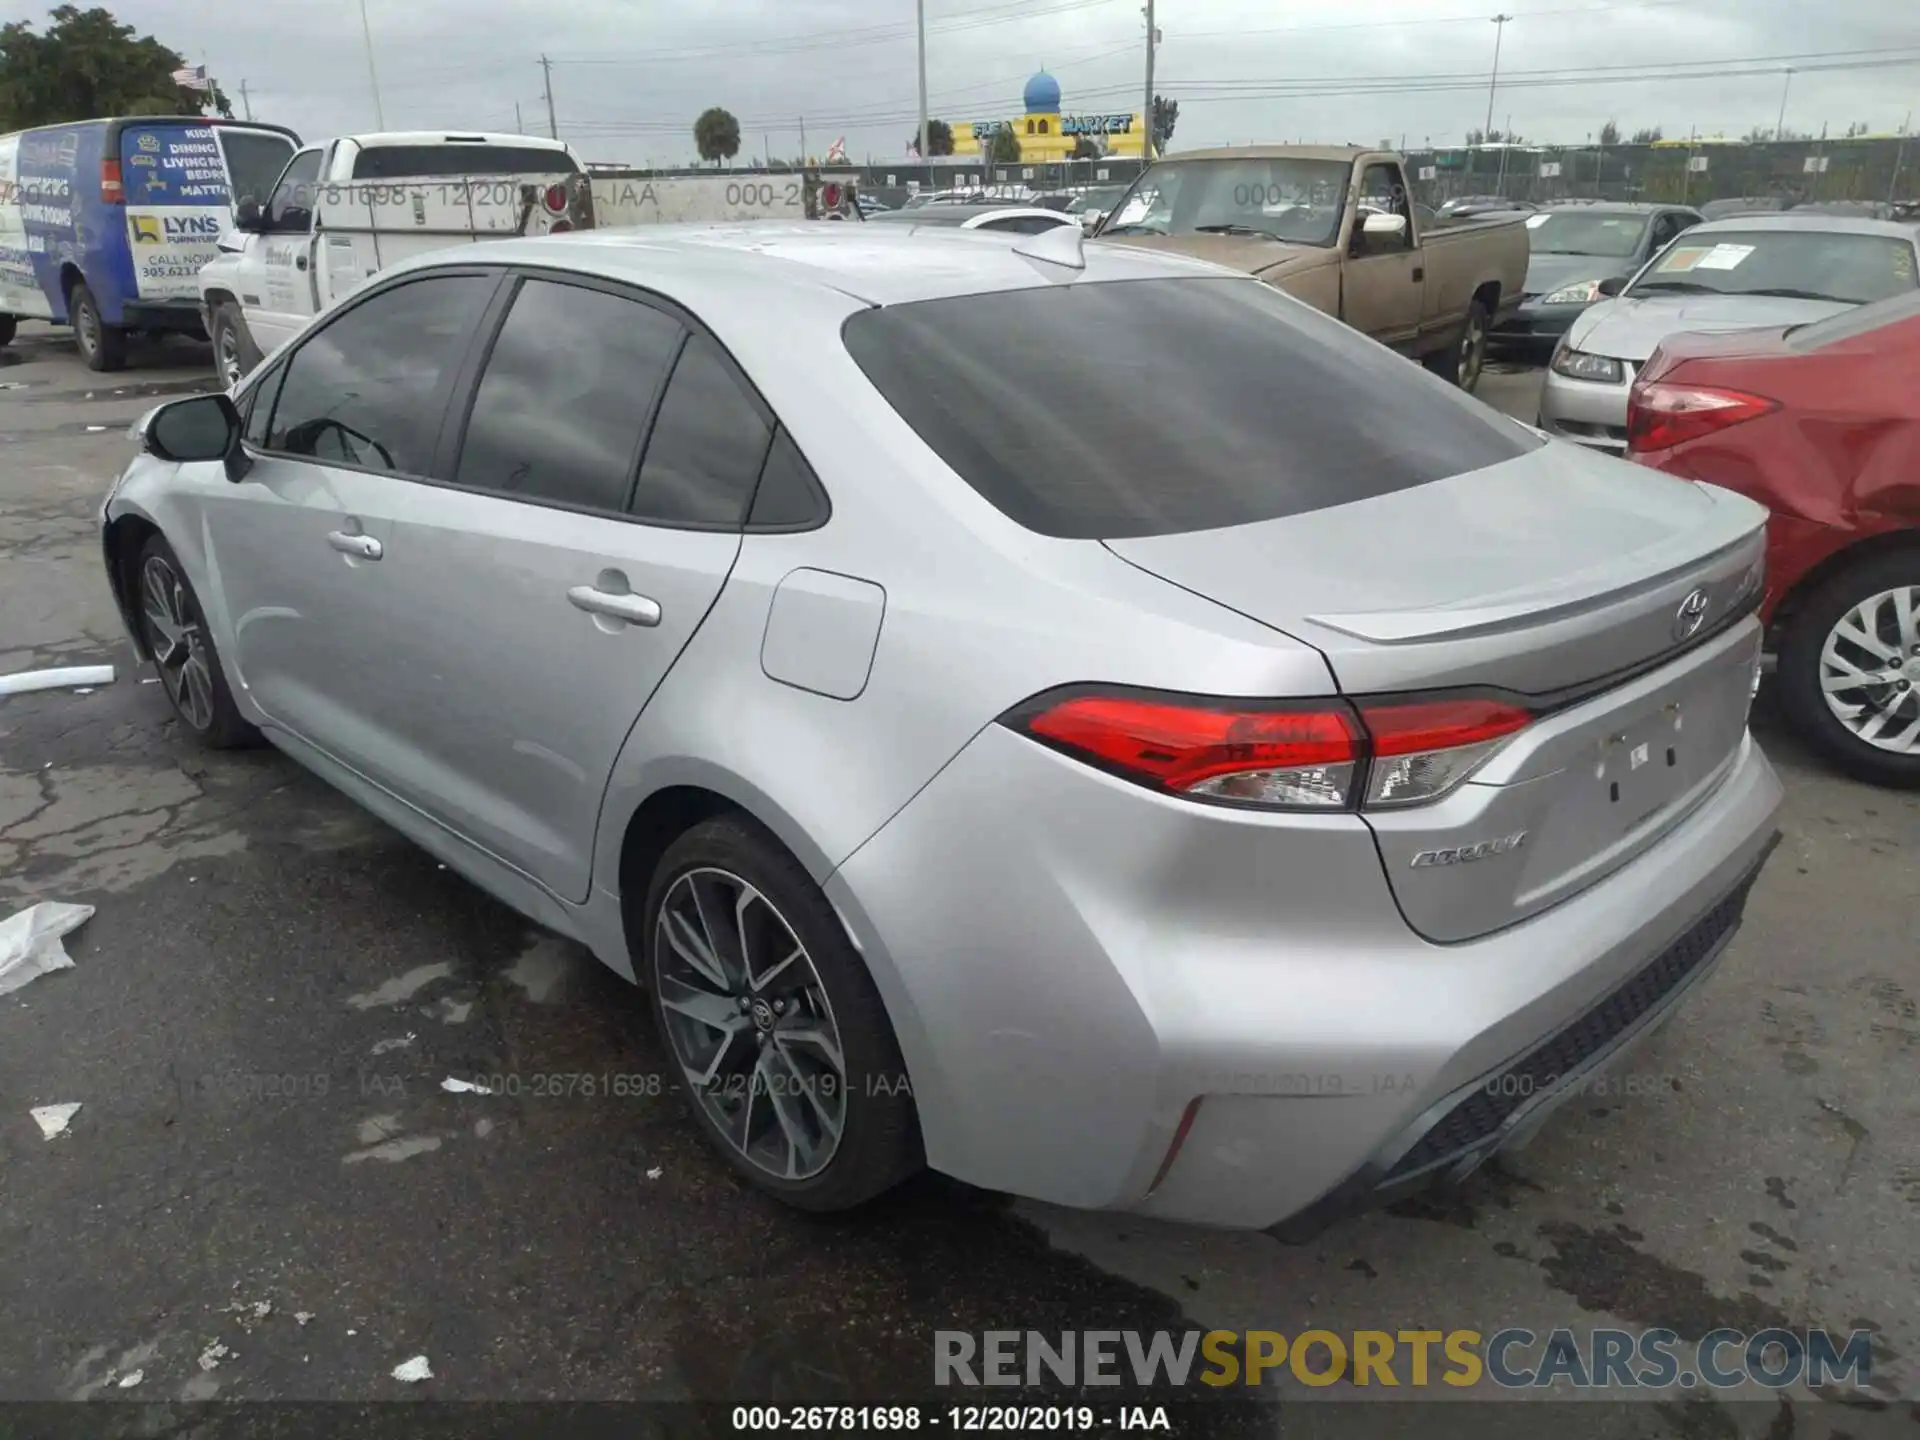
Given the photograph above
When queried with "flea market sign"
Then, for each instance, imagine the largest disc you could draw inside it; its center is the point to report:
(1096, 125)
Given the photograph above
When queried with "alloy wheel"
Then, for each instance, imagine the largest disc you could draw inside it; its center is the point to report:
(1870, 671)
(227, 353)
(179, 644)
(749, 1023)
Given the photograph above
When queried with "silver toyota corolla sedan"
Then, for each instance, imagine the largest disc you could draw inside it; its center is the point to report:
(1072, 717)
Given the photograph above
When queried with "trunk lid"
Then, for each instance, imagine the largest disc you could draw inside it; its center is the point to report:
(1559, 576)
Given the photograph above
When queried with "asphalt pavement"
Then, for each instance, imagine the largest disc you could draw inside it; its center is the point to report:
(268, 1194)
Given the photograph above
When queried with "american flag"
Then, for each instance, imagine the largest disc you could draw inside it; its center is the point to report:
(193, 77)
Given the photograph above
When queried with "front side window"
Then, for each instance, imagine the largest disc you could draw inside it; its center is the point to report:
(1253, 415)
(707, 446)
(291, 207)
(565, 395)
(369, 387)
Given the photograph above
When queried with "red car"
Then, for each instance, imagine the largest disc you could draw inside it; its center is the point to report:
(1821, 424)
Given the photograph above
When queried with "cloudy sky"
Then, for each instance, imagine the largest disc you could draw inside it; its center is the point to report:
(629, 75)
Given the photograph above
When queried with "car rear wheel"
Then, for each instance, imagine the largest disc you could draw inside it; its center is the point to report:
(1462, 361)
(102, 346)
(781, 1040)
(175, 630)
(233, 349)
(1850, 669)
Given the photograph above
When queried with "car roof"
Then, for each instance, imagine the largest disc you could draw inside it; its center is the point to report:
(1612, 207)
(1798, 221)
(1347, 153)
(876, 264)
(454, 137)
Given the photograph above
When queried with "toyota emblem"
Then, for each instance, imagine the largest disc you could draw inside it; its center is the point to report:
(1691, 615)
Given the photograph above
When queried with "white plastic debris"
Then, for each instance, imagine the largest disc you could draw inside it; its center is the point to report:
(127, 1382)
(412, 1372)
(463, 1087)
(30, 941)
(655, 1173)
(211, 1357)
(94, 429)
(301, 1317)
(381, 1047)
(52, 1119)
(25, 682)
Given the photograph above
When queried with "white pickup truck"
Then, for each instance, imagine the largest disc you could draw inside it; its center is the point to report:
(342, 212)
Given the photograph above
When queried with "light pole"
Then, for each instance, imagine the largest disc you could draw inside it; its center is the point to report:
(1146, 140)
(1499, 30)
(1778, 125)
(366, 31)
(925, 143)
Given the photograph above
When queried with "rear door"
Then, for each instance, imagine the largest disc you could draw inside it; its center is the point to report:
(179, 180)
(543, 589)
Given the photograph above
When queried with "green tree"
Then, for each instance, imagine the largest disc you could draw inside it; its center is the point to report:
(1004, 148)
(716, 135)
(939, 138)
(1166, 114)
(1609, 134)
(86, 65)
(1648, 136)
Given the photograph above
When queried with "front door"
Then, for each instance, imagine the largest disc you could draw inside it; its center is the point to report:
(277, 290)
(301, 544)
(543, 596)
(1382, 283)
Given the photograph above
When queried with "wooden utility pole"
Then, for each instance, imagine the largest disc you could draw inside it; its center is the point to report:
(553, 126)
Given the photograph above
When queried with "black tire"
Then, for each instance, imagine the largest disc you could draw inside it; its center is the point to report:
(8, 325)
(102, 346)
(1464, 361)
(208, 711)
(879, 1139)
(1801, 693)
(233, 344)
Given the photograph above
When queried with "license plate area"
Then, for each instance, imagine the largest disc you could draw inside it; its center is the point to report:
(1643, 766)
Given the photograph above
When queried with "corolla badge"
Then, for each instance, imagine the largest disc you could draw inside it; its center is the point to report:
(1691, 615)
(1466, 854)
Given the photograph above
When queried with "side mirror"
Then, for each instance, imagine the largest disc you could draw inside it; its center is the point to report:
(248, 217)
(196, 430)
(1613, 285)
(1381, 225)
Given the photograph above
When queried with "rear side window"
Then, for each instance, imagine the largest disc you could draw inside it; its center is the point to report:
(370, 387)
(428, 162)
(172, 165)
(705, 453)
(1112, 410)
(559, 411)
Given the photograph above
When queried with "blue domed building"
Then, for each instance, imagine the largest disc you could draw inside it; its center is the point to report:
(1046, 133)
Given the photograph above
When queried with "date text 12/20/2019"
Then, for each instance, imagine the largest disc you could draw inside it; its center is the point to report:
(957, 1419)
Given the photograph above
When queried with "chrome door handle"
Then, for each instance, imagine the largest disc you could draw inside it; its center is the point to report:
(365, 546)
(635, 609)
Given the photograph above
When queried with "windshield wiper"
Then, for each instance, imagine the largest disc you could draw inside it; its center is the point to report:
(1236, 230)
(1132, 225)
(1787, 293)
(1684, 287)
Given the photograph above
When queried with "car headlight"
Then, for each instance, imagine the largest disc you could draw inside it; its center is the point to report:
(1579, 365)
(1581, 292)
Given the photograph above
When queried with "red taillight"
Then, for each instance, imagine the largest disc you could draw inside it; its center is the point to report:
(112, 192)
(1422, 749)
(1319, 755)
(1661, 415)
(556, 198)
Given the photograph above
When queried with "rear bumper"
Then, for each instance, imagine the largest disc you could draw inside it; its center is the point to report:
(1113, 1000)
(170, 315)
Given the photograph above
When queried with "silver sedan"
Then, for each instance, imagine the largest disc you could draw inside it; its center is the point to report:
(1746, 273)
(1052, 712)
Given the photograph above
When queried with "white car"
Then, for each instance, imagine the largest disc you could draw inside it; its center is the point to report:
(1020, 219)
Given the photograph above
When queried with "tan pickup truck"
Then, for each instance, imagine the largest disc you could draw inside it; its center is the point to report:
(1338, 229)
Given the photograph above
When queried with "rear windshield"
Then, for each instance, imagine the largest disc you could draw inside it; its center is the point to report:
(430, 162)
(1835, 265)
(255, 159)
(1155, 407)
